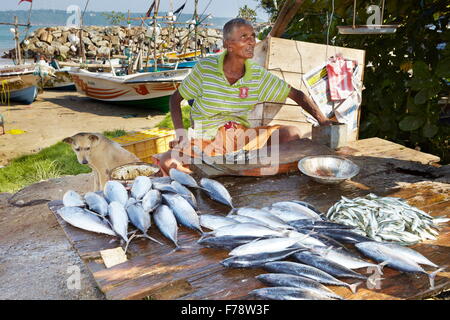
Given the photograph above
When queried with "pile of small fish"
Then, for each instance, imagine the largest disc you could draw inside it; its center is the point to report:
(385, 219)
(132, 171)
(165, 199)
(296, 230)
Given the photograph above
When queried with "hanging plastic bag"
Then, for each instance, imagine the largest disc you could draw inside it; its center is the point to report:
(340, 73)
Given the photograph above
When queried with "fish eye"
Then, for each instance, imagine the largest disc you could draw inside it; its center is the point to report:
(77, 149)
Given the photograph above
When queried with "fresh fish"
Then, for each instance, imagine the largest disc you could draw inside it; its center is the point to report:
(216, 191)
(410, 254)
(306, 239)
(151, 200)
(327, 241)
(82, 219)
(346, 236)
(246, 229)
(185, 193)
(287, 215)
(298, 208)
(162, 187)
(72, 199)
(164, 180)
(245, 219)
(166, 223)
(140, 219)
(308, 205)
(119, 219)
(140, 187)
(213, 222)
(345, 258)
(96, 203)
(290, 280)
(130, 202)
(115, 191)
(394, 258)
(266, 217)
(183, 178)
(326, 265)
(304, 270)
(288, 293)
(264, 245)
(226, 242)
(317, 224)
(257, 260)
(184, 213)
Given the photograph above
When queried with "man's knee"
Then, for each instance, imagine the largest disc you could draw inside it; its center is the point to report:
(289, 133)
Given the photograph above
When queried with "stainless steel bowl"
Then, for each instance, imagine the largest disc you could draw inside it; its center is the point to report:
(328, 169)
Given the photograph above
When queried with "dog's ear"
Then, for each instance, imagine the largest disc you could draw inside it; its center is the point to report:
(93, 138)
(68, 140)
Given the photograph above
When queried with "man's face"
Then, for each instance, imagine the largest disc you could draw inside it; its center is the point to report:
(242, 42)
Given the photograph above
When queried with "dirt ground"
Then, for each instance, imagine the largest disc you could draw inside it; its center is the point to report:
(56, 115)
(36, 259)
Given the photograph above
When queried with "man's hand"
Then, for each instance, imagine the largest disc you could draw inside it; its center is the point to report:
(180, 140)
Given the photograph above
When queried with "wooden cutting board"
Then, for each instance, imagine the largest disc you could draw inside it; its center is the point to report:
(267, 162)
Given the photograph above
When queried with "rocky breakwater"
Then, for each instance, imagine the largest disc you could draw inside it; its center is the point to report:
(64, 43)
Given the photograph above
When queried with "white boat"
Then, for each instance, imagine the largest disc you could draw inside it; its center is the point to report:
(19, 83)
(152, 89)
(62, 80)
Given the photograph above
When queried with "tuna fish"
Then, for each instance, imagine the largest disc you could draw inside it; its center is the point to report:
(185, 193)
(166, 223)
(266, 217)
(326, 265)
(212, 221)
(346, 236)
(140, 219)
(304, 270)
(96, 203)
(226, 242)
(317, 224)
(300, 210)
(396, 259)
(151, 200)
(308, 205)
(245, 219)
(72, 199)
(257, 260)
(163, 187)
(183, 178)
(216, 191)
(290, 280)
(410, 254)
(82, 219)
(288, 293)
(140, 187)
(115, 191)
(119, 219)
(184, 213)
(265, 245)
(246, 229)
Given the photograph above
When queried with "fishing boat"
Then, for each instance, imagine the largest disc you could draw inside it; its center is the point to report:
(151, 89)
(61, 81)
(19, 83)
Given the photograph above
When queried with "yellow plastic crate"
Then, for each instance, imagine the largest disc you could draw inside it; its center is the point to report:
(144, 144)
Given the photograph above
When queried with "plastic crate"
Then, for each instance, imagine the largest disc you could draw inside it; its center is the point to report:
(144, 144)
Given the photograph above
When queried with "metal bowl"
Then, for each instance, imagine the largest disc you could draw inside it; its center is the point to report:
(328, 169)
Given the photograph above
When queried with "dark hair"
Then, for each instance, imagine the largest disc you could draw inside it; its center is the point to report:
(230, 25)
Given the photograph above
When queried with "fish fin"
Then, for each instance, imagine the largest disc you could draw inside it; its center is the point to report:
(381, 265)
(433, 275)
(354, 286)
(204, 235)
(231, 212)
(129, 240)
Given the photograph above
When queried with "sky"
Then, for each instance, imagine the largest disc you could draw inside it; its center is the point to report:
(218, 8)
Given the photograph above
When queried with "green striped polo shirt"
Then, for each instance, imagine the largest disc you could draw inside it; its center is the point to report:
(217, 102)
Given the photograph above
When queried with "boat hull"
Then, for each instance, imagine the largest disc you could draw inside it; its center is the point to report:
(25, 95)
(137, 89)
(61, 81)
(19, 83)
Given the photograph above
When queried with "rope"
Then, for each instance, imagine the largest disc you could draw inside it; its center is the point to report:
(5, 94)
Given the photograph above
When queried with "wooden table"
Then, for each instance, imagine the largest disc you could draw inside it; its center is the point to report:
(156, 271)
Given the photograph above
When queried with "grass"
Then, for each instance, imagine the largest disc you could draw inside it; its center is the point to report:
(185, 112)
(52, 162)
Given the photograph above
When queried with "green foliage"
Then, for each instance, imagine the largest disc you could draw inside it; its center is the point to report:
(167, 121)
(51, 162)
(407, 72)
(114, 18)
(247, 13)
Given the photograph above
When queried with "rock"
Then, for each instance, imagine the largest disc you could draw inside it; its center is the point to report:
(63, 50)
(104, 51)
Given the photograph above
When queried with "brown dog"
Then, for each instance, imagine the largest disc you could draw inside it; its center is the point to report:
(99, 153)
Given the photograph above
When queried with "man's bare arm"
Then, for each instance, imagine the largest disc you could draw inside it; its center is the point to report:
(306, 103)
(177, 118)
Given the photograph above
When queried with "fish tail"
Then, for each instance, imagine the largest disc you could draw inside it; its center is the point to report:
(381, 265)
(129, 240)
(204, 235)
(354, 286)
(432, 275)
(152, 239)
(232, 211)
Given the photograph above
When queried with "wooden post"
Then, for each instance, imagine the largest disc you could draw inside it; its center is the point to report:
(16, 39)
(195, 27)
(286, 14)
(154, 35)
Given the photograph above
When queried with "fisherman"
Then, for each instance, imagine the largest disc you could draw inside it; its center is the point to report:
(225, 88)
